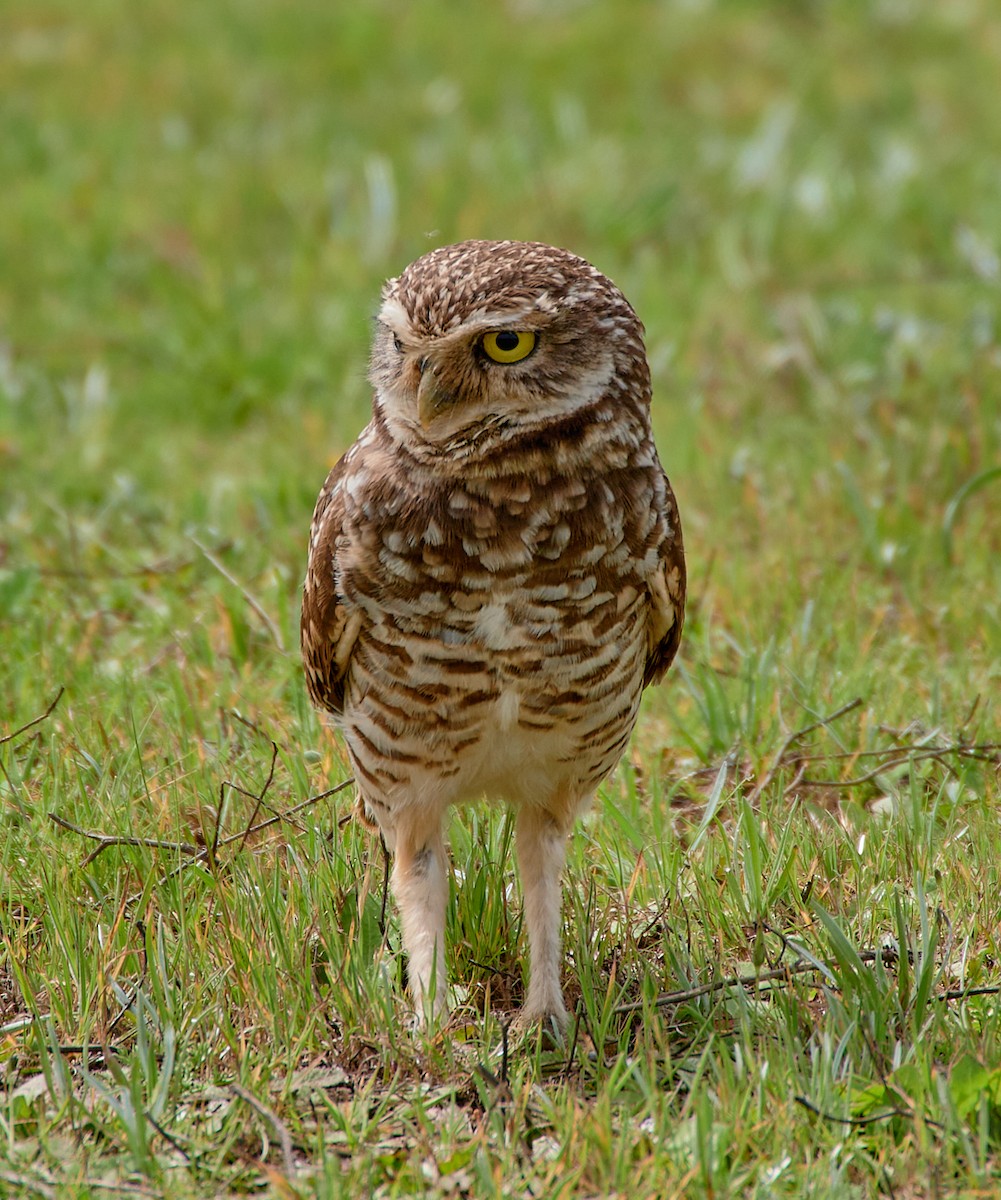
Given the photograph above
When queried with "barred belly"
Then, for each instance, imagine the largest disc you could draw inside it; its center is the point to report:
(519, 715)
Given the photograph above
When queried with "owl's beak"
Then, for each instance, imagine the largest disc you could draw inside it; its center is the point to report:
(432, 398)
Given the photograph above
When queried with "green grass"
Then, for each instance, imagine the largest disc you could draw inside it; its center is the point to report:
(199, 204)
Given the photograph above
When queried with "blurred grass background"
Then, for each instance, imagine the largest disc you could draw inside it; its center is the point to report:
(198, 205)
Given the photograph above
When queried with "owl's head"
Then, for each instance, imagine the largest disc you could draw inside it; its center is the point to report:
(483, 341)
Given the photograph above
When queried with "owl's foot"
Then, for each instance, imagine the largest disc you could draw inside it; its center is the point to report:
(550, 1025)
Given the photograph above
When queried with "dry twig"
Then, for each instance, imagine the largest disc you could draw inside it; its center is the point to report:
(780, 758)
(9, 737)
(782, 974)
(107, 840)
(260, 798)
(856, 1121)
(983, 752)
(254, 603)
(197, 853)
(284, 1137)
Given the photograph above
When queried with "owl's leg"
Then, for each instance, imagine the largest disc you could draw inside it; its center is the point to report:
(420, 885)
(541, 842)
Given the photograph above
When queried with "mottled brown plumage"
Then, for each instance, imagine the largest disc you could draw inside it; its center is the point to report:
(495, 572)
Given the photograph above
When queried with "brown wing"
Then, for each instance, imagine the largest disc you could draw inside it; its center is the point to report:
(667, 595)
(328, 629)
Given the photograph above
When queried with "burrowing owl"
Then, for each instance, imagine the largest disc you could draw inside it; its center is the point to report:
(495, 573)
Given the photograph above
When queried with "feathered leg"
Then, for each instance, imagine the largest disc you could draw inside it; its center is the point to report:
(541, 842)
(420, 885)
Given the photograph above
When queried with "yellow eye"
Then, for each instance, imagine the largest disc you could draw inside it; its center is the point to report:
(508, 345)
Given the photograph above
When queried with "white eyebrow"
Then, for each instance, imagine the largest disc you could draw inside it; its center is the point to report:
(393, 314)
